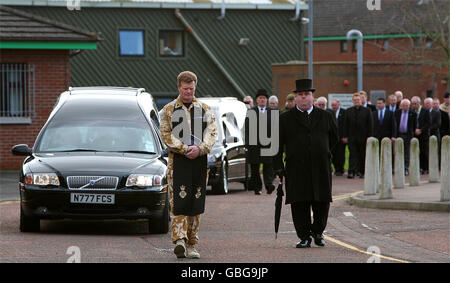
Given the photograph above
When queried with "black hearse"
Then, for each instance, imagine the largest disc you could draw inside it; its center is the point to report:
(99, 156)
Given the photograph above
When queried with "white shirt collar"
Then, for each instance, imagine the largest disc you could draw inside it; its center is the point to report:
(309, 110)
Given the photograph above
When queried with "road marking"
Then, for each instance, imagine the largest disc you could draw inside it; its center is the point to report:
(9, 201)
(348, 214)
(345, 196)
(362, 251)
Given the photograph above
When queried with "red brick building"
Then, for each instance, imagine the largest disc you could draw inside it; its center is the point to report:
(394, 59)
(35, 58)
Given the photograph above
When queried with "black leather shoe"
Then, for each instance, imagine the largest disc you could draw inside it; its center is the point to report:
(304, 244)
(338, 173)
(258, 192)
(318, 240)
(350, 176)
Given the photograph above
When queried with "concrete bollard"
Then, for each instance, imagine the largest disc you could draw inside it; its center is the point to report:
(433, 160)
(445, 169)
(414, 163)
(399, 164)
(371, 166)
(386, 169)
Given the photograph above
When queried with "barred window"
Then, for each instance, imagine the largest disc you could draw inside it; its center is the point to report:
(17, 93)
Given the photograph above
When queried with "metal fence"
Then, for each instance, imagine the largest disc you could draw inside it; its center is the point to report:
(17, 90)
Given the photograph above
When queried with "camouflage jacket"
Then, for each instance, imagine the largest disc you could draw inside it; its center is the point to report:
(175, 144)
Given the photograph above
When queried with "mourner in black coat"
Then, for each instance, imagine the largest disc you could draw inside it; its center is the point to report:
(435, 118)
(358, 127)
(254, 151)
(406, 120)
(444, 125)
(307, 135)
(384, 125)
(339, 150)
(422, 132)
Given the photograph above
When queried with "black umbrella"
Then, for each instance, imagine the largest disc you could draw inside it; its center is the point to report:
(278, 204)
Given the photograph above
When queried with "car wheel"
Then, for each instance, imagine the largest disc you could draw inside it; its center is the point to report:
(221, 186)
(160, 225)
(29, 223)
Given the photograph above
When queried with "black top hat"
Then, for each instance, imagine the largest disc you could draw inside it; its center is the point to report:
(303, 85)
(262, 92)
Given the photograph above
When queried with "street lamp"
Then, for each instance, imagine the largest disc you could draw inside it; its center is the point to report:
(359, 50)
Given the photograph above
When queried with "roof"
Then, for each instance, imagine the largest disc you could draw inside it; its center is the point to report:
(107, 90)
(163, 4)
(334, 18)
(250, 66)
(17, 25)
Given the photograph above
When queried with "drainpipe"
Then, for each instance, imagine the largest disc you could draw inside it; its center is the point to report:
(310, 41)
(297, 12)
(209, 53)
(222, 11)
(359, 50)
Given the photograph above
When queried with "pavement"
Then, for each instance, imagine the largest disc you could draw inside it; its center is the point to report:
(425, 197)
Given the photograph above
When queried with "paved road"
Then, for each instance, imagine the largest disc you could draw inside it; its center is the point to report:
(238, 228)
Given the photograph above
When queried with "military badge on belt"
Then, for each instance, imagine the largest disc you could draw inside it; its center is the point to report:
(199, 193)
(183, 192)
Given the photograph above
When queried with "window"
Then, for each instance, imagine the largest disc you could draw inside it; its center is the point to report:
(171, 43)
(17, 92)
(344, 46)
(131, 42)
(385, 45)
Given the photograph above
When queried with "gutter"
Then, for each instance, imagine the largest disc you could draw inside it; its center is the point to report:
(209, 53)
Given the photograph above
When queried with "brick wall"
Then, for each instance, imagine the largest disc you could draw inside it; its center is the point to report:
(52, 77)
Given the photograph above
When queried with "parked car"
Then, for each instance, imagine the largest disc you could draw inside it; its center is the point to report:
(99, 155)
(227, 158)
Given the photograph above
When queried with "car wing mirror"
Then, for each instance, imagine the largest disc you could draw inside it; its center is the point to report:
(230, 139)
(165, 152)
(21, 149)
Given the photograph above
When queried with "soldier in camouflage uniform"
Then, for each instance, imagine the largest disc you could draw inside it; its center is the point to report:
(187, 187)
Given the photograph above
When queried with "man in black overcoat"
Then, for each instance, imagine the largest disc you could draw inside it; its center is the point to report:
(406, 120)
(307, 135)
(254, 150)
(339, 150)
(358, 127)
(384, 125)
(422, 131)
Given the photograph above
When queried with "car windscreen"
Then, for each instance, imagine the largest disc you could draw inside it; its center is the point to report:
(97, 135)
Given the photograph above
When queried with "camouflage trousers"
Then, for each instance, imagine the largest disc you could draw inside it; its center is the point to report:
(183, 227)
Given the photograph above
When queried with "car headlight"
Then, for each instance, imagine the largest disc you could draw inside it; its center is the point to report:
(42, 179)
(142, 180)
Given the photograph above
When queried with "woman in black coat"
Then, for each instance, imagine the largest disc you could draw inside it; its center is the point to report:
(307, 136)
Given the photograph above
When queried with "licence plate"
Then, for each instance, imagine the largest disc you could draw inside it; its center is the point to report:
(92, 198)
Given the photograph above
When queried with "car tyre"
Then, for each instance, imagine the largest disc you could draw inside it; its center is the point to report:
(160, 225)
(29, 223)
(220, 187)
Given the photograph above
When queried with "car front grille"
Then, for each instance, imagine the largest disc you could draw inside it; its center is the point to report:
(105, 183)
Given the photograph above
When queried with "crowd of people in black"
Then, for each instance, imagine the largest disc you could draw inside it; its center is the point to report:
(398, 117)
